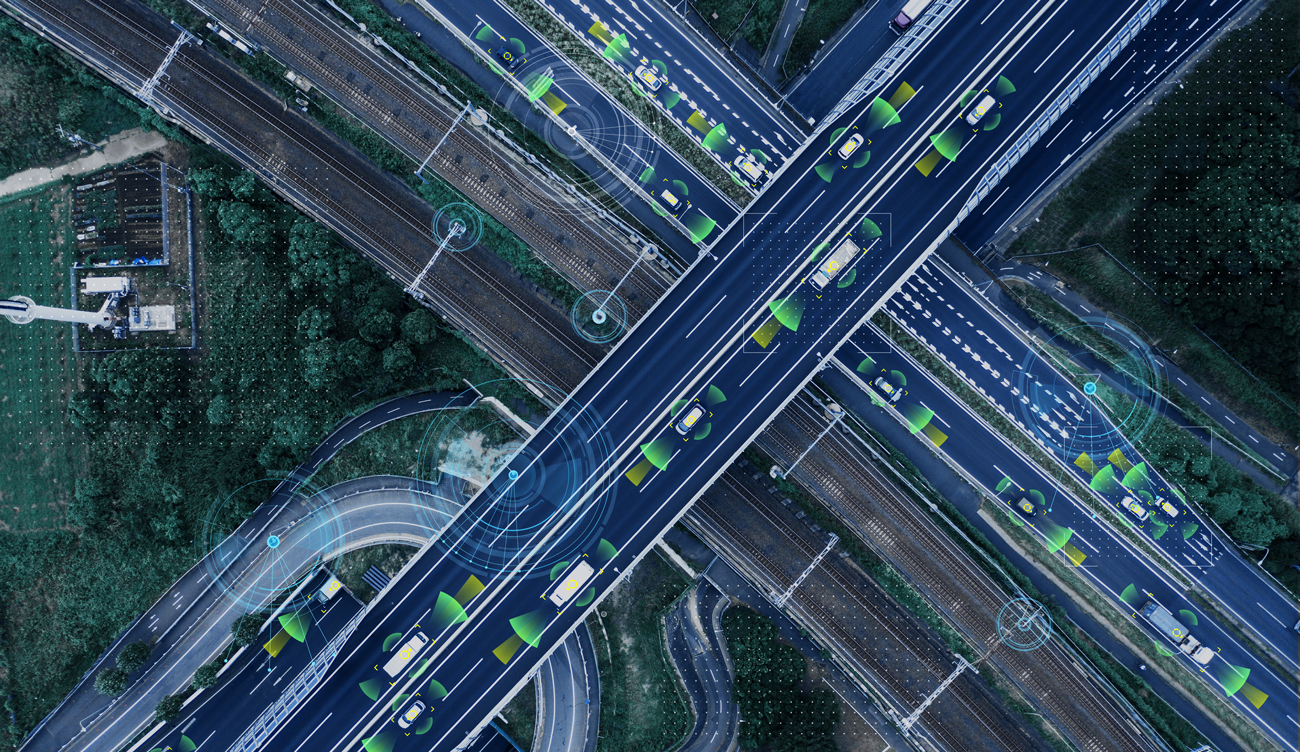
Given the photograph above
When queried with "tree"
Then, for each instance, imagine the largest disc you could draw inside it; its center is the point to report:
(134, 656)
(91, 502)
(375, 325)
(110, 682)
(206, 676)
(314, 324)
(169, 707)
(220, 411)
(243, 185)
(320, 365)
(84, 411)
(244, 629)
(356, 359)
(399, 360)
(318, 262)
(138, 376)
(246, 225)
(420, 327)
(208, 182)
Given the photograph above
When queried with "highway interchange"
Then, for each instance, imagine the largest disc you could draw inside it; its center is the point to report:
(756, 263)
(587, 487)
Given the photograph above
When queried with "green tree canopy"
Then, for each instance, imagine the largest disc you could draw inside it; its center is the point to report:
(314, 324)
(247, 226)
(110, 682)
(375, 324)
(205, 676)
(168, 708)
(419, 327)
(399, 360)
(134, 656)
(244, 629)
(320, 365)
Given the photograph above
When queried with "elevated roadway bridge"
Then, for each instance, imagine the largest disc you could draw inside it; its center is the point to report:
(739, 334)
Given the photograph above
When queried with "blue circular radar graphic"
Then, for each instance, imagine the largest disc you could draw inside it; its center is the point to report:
(1023, 624)
(299, 524)
(1088, 399)
(533, 500)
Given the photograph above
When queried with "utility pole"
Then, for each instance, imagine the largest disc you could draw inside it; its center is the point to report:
(962, 665)
(777, 472)
(456, 229)
(784, 597)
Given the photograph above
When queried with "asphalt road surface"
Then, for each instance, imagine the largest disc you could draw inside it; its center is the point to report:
(586, 489)
(706, 82)
(858, 400)
(172, 621)
(568, 712)
(1175, 33)
(581, 104)
(696, 648)
(1103, 554)
(1283, 466)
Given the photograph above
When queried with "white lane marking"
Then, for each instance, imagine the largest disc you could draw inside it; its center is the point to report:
(1058, 134)
(1121, 67)
(1274, 618)
(1054, 49)
(1252, 438)
(805, 211)
(697, 326)
(1148, 70)
(760, 363)
(995, 10)
(1175, 44)
(1194, 22)
(313, 731)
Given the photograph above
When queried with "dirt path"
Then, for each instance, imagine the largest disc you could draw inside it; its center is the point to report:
(118, 148)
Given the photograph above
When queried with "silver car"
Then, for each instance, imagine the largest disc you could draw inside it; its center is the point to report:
(978, 112)
(689, 420)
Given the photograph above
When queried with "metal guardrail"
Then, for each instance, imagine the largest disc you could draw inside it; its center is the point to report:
(1062, 103)
(892, 61)
(303, 683)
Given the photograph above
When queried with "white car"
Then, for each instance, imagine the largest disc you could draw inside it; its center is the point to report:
(751, 168)
(411, 714)
(891, 393)
(1025, 505)
(851, 145)
(648, 78)
(1168, 508)
(980, 110)
(689, 420)
(674, 203)
(1133, 506)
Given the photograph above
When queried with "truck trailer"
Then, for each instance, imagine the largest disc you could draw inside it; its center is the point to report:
(1159, 616)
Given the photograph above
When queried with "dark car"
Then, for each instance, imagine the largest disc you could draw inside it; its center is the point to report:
(507, 58)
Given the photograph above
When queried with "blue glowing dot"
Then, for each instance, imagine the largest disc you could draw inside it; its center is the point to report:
(1090, 388)
(513, 474)
(273, 541)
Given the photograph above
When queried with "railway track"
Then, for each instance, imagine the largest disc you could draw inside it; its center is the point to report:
(416, 125)
(395, 258)
(1010, 740)
(1097, 723)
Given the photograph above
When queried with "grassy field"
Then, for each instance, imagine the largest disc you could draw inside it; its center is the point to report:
(391, 449)
(37, 368)
(350, 567)
(521, 716)
(641, 707)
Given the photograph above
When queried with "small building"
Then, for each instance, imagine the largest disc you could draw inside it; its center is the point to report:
(153, 318)
(106, 286)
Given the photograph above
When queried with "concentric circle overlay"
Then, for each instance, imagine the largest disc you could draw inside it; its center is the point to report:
(1090, 390)
(599, 316)
(556, 503)
(267, 536)
(457, 227)
(1024, 624)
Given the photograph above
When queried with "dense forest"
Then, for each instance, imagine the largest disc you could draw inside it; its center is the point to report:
(1198, 199)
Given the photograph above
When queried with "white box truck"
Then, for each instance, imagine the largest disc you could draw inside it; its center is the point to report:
(1174, 630)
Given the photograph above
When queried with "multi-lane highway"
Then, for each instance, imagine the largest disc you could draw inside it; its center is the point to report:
(1102, 552)
(740, 333)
